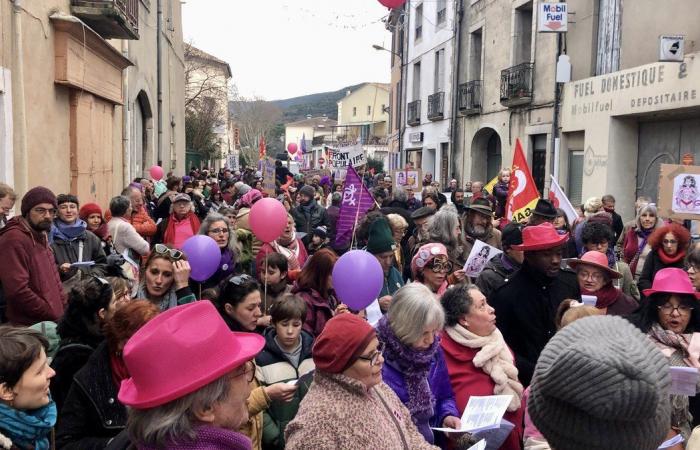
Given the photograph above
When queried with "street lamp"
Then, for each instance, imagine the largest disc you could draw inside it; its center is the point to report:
(379, 47)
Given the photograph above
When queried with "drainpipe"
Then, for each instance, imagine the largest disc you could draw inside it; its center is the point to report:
(21, 165)
(159, 26)
(126, 157)
(554, 166)
(455, 85)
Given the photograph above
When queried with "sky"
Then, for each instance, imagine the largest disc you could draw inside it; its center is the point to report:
(286, 48)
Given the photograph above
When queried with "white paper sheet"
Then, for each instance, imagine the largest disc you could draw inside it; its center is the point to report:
(677, 439)
(482, 413)
(481, 254)
(374, 313)
(497, 436)
(83, 264)
(589, 300)
(684, 380)
(481, 445)
(292, 382)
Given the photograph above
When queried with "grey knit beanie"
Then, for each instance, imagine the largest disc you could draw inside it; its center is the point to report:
(243, 189)
(600, 384)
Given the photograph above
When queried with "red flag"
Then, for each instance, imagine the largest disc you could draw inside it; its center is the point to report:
(522, 193)
(263, 150)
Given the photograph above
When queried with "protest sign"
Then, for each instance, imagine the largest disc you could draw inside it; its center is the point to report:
(351, 155)
(481, 254)
(407, 179)
(232, 161)
(268, 170)
(482, 413)
(679, 191)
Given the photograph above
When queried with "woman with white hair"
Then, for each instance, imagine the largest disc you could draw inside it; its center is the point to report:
(414, 366)
(218, 228)
(635, 247)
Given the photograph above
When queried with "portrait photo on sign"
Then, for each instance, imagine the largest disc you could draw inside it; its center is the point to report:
(407, 179)
(685, 194)
(481, 254)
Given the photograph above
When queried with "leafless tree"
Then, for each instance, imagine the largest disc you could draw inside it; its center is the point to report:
(255, 117)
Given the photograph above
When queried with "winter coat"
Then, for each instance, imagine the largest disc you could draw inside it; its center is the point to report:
(525, 309)
(626, 284)
(124, 236)
(69, 251)
(392, 282)
(274, 367)
(140, 220)
(257, 402)
(467, 380)
(630, 246)
(493, 239)
(439, 382)
(622, 306)
(339, 412)
(28, 275)
(495, 275)
(306, 223)
(653, 264)
(500, 193)
(72, 354)
(91, 414)
(319, 310)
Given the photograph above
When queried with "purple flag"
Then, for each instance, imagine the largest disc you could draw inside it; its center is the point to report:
(355, 203)
(303, 142)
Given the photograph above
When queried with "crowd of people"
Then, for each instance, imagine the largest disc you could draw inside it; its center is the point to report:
(107, 340)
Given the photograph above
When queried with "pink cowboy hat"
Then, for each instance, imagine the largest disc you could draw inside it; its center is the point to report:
(595, 259)
(540, 237)
(180, 351)
(671, 280)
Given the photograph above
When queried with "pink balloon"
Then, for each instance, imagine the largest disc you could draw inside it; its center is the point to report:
(268, 219)
(156, 172)
(392, 3)
(292, 148)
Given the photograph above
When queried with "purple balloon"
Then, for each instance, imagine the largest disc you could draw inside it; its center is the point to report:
(204, 256)
(357, 279)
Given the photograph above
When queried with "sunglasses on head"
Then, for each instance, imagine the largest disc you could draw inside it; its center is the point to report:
(162, 249)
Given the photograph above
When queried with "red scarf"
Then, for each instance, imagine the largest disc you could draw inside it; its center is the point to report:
(169, 235)
(669, 259)
(606, 295)
(119, 370)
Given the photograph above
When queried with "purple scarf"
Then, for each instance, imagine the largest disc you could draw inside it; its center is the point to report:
(414, 365)
(210, 438)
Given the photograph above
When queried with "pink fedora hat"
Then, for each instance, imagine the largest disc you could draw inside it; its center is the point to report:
(180, 351)
(671, 280)
(540, 237)
(595, 259)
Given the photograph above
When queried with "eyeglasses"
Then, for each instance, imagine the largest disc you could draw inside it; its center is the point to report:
(668, 309)
(669, 242)
(374, 357)
(691, 269)
(43, 211)
(248, 371)
(162, 249)
(595, 276)
(218, 231)
(440, 266)
(240, 279)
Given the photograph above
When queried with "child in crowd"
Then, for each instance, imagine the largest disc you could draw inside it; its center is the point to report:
(285, 358)
(319, 239)
(274, 280)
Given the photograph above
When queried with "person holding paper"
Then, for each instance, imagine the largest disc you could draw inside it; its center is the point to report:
(414, 365)
(596, 278)
(671, 319)
(478, 359)
(478, 225)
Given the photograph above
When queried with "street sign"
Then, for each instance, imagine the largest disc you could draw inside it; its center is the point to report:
(553, 18)
(671, 48)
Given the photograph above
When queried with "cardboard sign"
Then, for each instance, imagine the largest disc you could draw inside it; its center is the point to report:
(407, 179)
(352, 155)
(268, 170)
(679, 191)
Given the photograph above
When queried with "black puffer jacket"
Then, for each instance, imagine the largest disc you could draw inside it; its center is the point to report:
(306, 223)
(68, 252)
(495, 275)
(91, 414)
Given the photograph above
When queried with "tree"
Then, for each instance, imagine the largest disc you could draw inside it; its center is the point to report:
(200, 124)
(255, 118)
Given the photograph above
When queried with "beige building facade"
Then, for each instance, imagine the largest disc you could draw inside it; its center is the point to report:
(363, 112)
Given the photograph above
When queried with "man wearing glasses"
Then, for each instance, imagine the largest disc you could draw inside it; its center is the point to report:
(30, 281)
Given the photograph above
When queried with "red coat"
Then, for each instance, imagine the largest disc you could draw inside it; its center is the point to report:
(468, 380)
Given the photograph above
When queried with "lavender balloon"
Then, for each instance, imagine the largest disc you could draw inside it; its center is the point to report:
(204, 256)
(357, 279)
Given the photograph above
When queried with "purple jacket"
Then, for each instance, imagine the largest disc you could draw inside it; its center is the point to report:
(439, 381)
(500, 191)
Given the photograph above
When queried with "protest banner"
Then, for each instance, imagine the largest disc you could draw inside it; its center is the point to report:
(349, 156)
(522, 193)
(232, 161)
(679, 196)
(407, 179)
(268, 171)
(354, 205)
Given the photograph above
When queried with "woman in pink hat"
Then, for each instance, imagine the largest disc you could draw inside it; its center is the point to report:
(431, 266)
(671, 318)
(595, 278)
(189, 381)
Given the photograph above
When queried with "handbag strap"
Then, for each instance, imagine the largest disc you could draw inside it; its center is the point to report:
(81, 244)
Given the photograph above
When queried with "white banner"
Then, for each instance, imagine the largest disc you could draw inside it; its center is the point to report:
(560, 200)
(352, 155)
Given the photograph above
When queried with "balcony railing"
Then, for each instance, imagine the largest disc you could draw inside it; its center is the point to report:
(470, 98)
(436, 106)
(112, 19)
(413, 113)
(516, 85)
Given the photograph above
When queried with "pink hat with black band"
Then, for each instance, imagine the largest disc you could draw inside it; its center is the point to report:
(540, 237)
(180, 351)
(671, 280)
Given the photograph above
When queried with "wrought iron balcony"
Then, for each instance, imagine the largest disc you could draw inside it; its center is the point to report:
(436, 106)
(112, 19)
(413, 113)
(470, 98)
(516, 85)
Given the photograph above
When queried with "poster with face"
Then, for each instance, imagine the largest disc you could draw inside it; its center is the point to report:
(481, 254)
(407, 179)
(685, 194)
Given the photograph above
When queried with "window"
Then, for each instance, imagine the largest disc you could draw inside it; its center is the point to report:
(354, 111)
(522, 41)
(609, 29)
(416, 81)
(475, 48)
(369, 110)
(439, 70)
(575, 185)
(441, 11)
(419, 22)
(539, 160)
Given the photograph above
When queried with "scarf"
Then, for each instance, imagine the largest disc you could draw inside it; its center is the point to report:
(642, 237)
(67, 232)
(606, 295)
(414, 365)
(669, 259)
(169, 300)
(28, 428)
(102, 231)
(209, 438)
(119, 369)
(495, 359)
(169, 235)
(667, 339)
(290, 250)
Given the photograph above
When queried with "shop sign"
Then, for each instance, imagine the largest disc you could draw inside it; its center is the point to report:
(553, 18)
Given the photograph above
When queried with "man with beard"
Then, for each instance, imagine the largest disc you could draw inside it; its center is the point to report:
(458, 201)
(420, 234)
(478, 225)
(30, 280)
(309, 214)
(526, 305)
